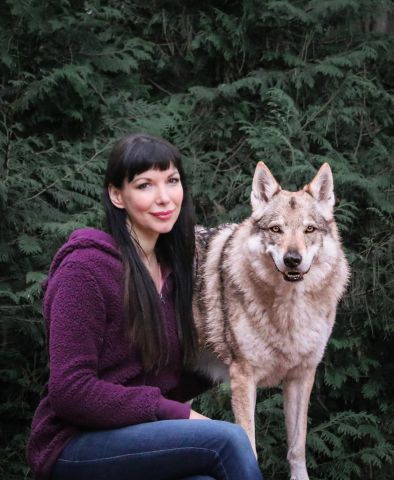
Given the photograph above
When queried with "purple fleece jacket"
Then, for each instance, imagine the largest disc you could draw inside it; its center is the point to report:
(96, 378)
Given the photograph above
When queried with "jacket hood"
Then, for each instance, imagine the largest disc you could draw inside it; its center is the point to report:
(80, 239)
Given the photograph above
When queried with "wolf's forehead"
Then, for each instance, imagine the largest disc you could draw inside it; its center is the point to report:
(299, 203)
(294, 199)
(288, 208)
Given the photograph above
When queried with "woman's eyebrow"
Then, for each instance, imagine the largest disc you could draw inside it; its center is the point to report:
(174, 172)
(141, 178)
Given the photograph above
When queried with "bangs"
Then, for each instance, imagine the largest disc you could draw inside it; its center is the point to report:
(137, 153)
(147, 154)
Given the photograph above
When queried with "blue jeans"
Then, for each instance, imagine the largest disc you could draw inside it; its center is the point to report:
(162, 450)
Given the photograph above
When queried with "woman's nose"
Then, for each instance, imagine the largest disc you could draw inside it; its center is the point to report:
(162, 194)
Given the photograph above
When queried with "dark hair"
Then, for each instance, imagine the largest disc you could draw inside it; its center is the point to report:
(132, 155)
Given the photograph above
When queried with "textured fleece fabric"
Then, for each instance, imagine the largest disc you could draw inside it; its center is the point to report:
(96, 378)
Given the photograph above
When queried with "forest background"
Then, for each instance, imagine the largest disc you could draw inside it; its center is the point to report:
(292, 83)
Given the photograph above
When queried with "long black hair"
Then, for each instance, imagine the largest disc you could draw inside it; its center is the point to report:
(132, 155)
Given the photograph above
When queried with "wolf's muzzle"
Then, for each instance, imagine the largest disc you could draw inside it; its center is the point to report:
(292, 259)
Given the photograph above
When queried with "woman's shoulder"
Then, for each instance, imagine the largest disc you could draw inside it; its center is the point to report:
(87, 249)
(92, 237)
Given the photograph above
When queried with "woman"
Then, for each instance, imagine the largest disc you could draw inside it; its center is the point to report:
(120, 330)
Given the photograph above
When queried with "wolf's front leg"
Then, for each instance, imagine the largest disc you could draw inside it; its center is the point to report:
(243, 398)
(296, 394)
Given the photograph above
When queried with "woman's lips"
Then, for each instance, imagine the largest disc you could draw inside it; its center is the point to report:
(163, 215)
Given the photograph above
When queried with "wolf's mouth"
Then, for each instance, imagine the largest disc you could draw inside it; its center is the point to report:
(293, 276)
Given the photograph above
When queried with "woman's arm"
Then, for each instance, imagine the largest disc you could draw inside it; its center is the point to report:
(76, 331)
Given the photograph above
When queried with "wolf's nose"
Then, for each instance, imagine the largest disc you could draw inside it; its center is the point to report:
(292, 259)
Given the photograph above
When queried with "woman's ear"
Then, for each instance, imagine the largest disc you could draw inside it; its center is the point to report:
(115, 196)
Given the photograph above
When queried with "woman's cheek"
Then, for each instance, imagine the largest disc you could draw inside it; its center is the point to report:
(144, 200)
(180, 195)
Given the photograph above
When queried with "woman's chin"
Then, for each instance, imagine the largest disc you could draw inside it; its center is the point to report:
(166, 228)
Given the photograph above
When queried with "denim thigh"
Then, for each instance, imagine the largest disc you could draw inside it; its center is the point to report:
(162, 450)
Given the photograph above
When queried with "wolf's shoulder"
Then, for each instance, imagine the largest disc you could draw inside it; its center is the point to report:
(205, 235)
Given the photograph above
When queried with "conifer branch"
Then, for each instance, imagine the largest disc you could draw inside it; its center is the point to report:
(322, 109)
(98, 93)
(68, 175)
(159, 87)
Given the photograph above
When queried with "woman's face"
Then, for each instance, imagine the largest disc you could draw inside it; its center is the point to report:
(152, 201)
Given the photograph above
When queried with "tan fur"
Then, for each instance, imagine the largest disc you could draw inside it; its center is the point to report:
(264, 329)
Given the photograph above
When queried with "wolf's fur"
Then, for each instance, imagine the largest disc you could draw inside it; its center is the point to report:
(262, 321)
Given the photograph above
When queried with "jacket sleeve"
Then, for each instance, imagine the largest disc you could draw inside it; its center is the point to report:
(77, 320)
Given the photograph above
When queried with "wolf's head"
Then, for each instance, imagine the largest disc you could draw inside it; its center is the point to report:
(295, 226)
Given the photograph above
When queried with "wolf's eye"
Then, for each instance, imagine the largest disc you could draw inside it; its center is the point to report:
(276, 229)
(310, 229)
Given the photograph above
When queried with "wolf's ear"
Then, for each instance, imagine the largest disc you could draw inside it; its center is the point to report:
(264, 186)
(322, 186)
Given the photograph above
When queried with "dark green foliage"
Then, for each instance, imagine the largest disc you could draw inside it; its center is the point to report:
(291, 83)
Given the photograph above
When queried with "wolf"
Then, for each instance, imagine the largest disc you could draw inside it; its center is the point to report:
(266, 293)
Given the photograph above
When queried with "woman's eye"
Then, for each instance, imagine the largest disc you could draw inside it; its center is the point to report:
(174, 180)
(143, 186)
(310, 229)
(276, 229)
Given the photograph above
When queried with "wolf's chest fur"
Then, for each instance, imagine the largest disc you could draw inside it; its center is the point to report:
(282, 338)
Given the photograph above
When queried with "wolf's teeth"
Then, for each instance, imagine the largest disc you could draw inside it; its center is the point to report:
(293, 276)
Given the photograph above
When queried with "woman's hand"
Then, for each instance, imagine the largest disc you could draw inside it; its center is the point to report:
(197, 416)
